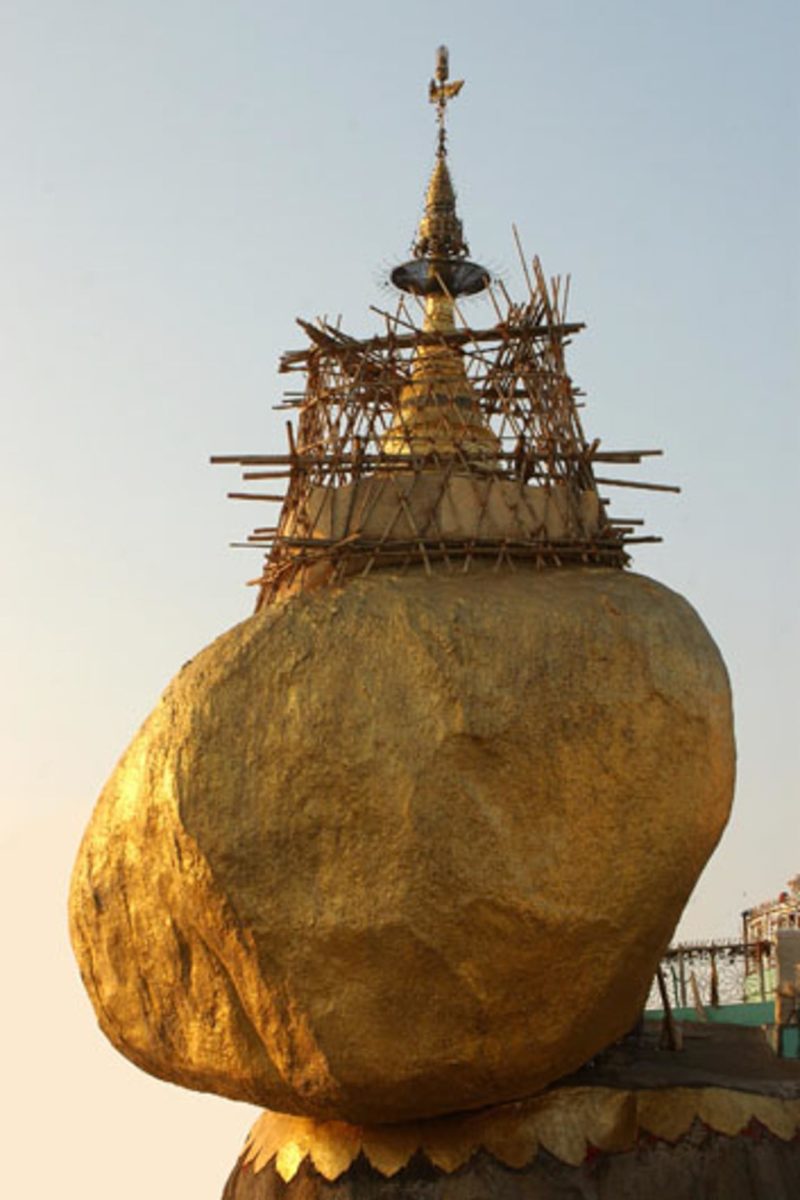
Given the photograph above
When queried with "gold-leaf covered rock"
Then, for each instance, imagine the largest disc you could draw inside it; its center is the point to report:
(410, 846)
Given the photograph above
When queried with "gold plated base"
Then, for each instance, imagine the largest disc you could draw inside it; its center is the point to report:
(571, 1124)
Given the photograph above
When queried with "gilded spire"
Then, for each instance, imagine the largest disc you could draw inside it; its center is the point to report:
(440, 264)
(438, 410)
(440, 233)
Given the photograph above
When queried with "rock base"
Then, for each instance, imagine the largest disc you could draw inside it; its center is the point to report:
(636, 1123)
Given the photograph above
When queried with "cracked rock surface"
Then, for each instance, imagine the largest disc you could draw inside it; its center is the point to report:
(410, 846)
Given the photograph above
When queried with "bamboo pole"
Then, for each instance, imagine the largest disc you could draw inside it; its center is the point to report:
(669, 1030)
(254, 496)
(305, 459)
(634, 483)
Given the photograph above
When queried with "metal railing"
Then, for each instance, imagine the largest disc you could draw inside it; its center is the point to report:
(709, 974)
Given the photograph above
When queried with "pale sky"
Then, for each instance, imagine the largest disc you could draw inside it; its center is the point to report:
(178, 181)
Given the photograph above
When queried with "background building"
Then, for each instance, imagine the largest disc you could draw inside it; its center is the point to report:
(760, 928)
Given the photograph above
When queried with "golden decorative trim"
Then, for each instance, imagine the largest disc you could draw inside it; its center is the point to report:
(565, 1122)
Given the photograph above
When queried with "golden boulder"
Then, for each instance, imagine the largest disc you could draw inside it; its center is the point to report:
(409, 846)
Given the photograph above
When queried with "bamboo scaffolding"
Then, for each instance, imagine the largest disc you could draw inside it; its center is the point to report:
(297, 360)
(351, 409)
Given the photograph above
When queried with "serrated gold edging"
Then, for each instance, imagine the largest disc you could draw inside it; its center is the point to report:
(565, 1122)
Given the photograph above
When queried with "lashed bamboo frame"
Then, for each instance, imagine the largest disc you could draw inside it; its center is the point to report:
(518, 371)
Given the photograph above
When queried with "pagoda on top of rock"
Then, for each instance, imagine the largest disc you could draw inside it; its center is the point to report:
(436, 443)
(401, 851)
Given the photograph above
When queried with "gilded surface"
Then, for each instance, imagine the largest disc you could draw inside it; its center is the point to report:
(407, 847)
(440, 232)
(565, 1122)
(438, 410)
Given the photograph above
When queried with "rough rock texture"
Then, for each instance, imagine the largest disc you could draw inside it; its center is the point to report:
(410, 846)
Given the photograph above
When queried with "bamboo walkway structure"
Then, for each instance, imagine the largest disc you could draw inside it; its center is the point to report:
(434, 444)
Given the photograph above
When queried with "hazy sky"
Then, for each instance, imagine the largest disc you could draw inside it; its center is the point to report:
(178, 181)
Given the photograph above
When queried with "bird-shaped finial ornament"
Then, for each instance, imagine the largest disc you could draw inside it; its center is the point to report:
(440, 90)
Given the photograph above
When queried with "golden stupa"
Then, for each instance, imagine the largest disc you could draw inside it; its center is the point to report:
(412, 838)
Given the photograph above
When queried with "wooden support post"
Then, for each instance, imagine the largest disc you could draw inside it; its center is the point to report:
(682, 979)
(669, 1032)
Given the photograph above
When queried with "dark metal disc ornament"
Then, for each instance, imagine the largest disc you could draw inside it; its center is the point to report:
(430, 276)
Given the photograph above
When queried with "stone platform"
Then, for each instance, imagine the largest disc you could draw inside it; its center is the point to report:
(719, 1120)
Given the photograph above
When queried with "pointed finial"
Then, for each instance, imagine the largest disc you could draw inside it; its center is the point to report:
(440, 91)
(440, 251)
(441, 234)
